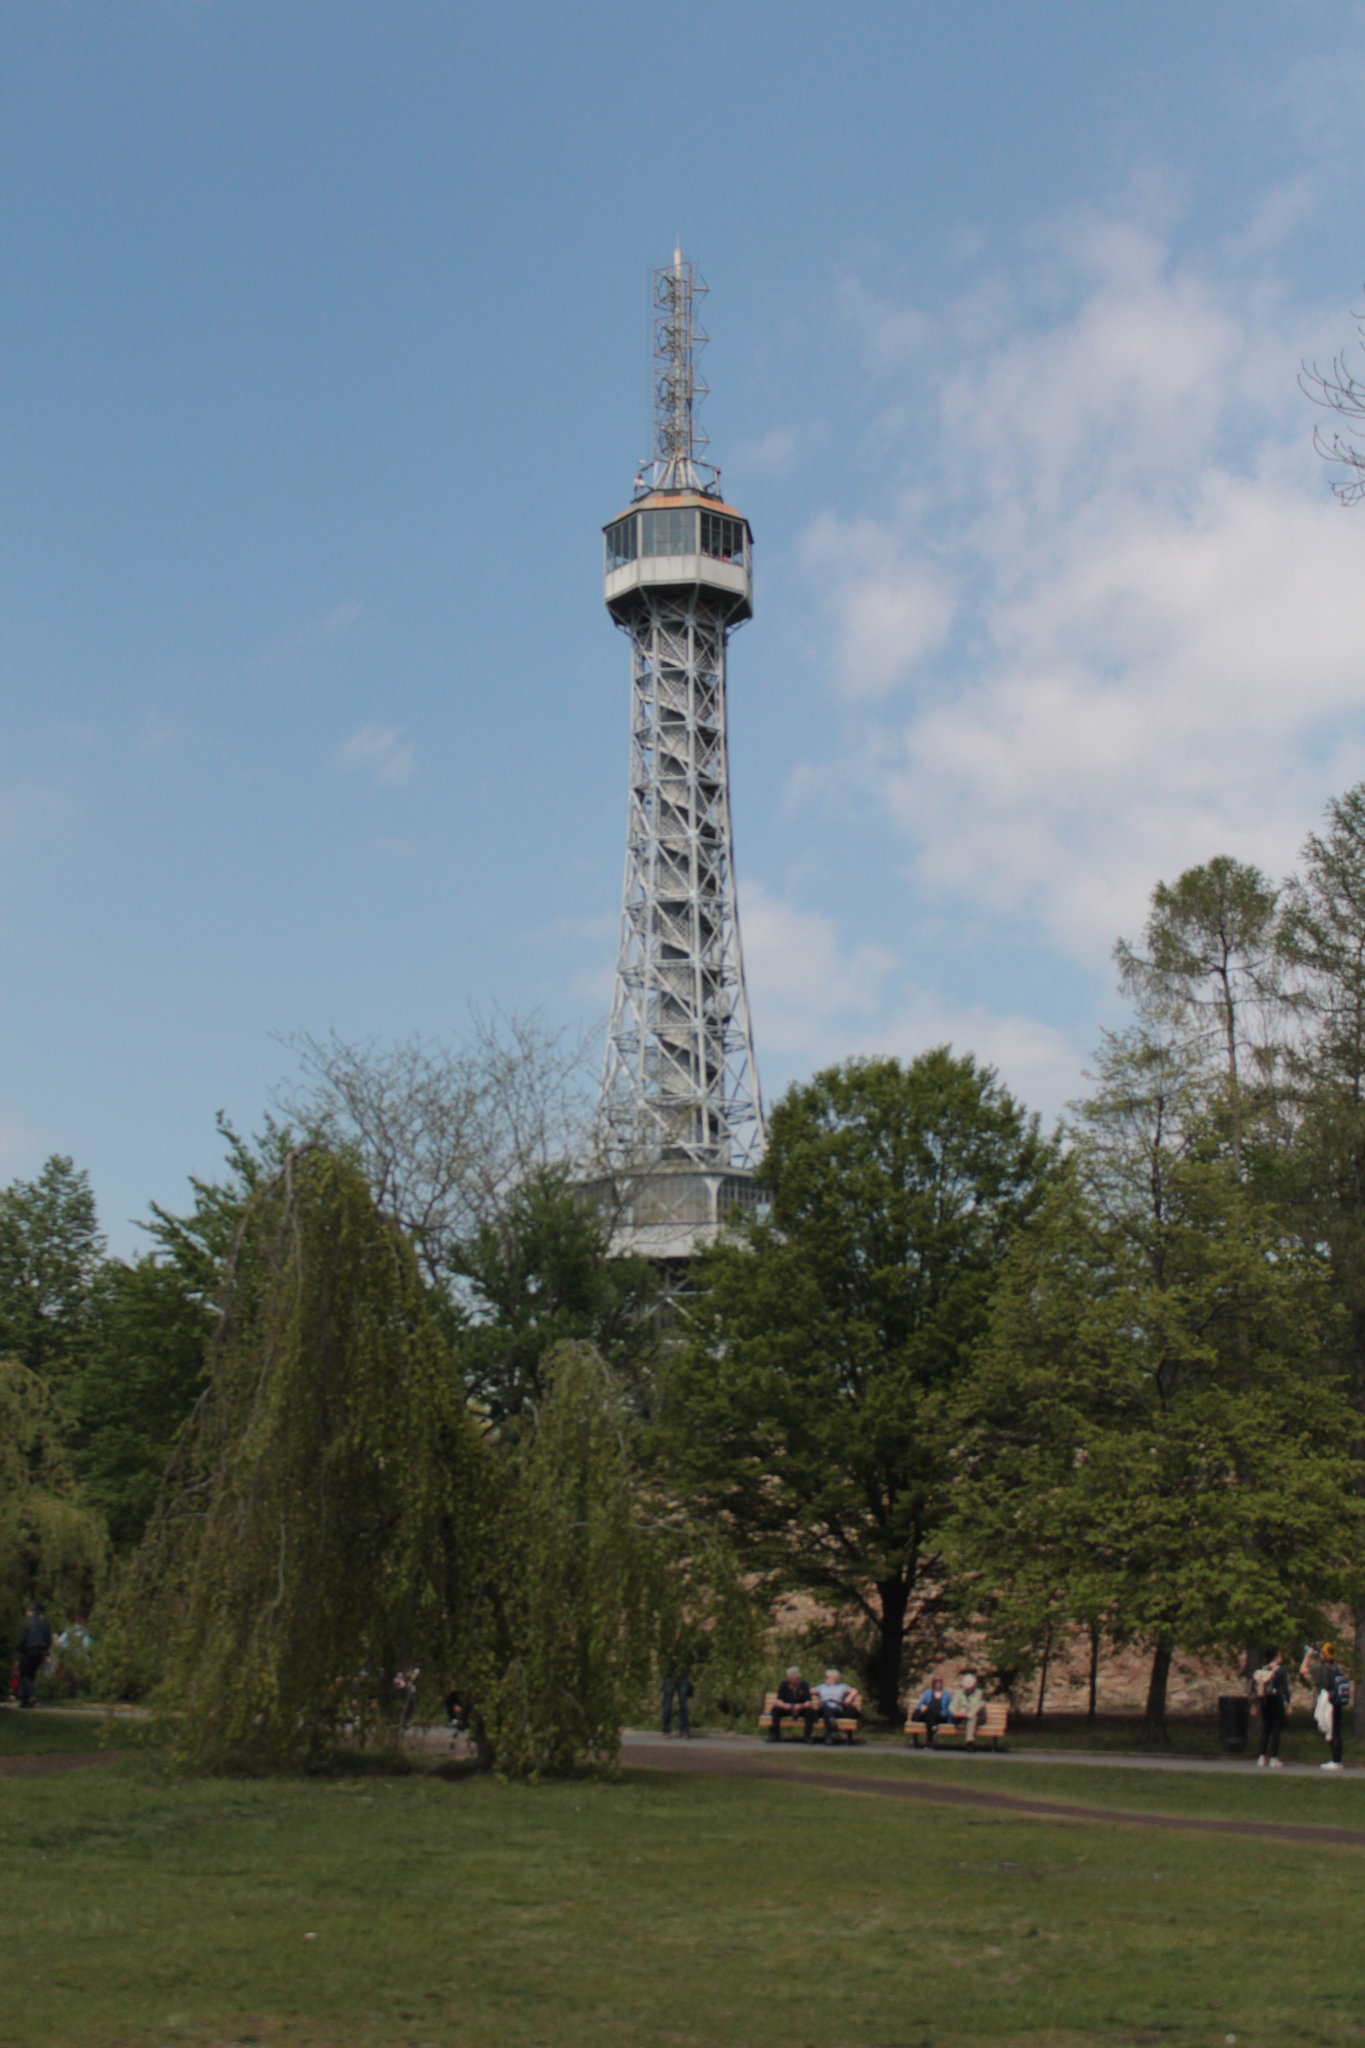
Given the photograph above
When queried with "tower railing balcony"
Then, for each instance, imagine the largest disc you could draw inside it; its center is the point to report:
(683, 541)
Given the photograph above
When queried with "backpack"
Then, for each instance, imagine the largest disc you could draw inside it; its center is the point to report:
(1341, 1691)
(1260, 1681)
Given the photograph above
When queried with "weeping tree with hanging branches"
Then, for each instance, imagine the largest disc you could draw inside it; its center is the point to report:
(565, 1611)
(333, 1519)
(316, 1532)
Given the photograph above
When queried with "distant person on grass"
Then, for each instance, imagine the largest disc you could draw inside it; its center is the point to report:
(35, 1641)
(835, 1699)
(933, 1708)
(793, 1697)
(1272, 1697)
(1321, 1670)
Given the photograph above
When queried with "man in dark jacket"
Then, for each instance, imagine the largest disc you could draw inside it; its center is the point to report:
(1272, 1697)
(793, 1697)
(35, 1640)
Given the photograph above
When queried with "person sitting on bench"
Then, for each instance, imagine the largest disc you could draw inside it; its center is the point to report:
(834, 1699)
(970, 1707)
(793, 1697)
(935, 1706)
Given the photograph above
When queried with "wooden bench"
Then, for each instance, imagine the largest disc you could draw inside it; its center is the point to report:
(990, 1728)
(792, 1721)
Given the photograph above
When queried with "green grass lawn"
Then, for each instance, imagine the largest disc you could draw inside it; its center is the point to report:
(146, 1910)
(42, 1731)
(1236, 1792)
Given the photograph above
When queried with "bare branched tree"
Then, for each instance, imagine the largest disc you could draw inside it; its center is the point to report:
(1341, 392)
(444, 1130)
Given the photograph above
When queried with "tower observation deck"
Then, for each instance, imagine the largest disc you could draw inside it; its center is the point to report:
(680, 1115)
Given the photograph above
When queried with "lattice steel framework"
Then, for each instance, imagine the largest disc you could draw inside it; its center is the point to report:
(680, 1082)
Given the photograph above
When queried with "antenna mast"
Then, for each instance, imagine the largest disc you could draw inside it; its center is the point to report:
(678, 389)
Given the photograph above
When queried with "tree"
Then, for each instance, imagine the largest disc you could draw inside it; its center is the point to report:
(809, 1411)
(1320, 1178)
(51, 1546)
(1210, 969)
(1155, 1439)
(151, 1329)
(1342, 393)
(311, 1538)
(51, 1252)
(565, 1606)
(538, 1274)
(444, 1132)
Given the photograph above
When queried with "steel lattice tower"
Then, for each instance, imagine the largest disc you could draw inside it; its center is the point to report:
(680, 1109)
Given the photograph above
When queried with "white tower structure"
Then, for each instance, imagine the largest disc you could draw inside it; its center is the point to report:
(681, 1117)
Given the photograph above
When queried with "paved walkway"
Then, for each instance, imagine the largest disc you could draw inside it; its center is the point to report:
(725, 1759)
(929, 1759)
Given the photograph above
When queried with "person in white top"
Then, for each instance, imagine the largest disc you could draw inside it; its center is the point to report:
(969, 1704)
(833, 1698)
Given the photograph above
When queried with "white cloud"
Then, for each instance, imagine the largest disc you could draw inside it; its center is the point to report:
(889, 609)
(380, 752)
(1037, 1063)
(804, 987)
(1130, 617)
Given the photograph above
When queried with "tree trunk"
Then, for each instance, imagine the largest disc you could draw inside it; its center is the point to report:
(1094, 1672)
(1042, 1676)
(1358, 1693)
(1154, 1719)
(894, 1595)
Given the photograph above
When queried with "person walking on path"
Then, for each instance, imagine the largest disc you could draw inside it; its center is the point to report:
(1272, 1696)
(35, 1641)
(681, 1690)
(1321, 1670)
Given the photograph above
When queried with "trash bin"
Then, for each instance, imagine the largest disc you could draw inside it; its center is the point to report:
(1234, 1720)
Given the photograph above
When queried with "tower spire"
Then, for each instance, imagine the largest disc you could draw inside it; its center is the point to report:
(678, 388)
(681, 1116)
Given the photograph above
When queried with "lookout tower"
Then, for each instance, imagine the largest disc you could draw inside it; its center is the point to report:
(680, 1117)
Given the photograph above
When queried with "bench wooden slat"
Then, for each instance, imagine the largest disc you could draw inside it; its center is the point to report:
(990, 1728)
(792, 1716)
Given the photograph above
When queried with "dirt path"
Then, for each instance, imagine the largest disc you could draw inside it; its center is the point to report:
(659, 1756)
(50, 1762)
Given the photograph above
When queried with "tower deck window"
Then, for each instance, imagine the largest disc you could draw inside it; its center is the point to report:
(621, 543)
(722, 538)
(668, 533)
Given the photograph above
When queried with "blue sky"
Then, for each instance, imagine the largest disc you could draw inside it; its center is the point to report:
(323, 358)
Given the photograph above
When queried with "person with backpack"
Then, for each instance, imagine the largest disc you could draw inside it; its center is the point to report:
(1272, 1697)
(1320, 1669)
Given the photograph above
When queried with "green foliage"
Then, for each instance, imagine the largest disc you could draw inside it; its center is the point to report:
(706, 1623)
(145, 1370)
(809, 1410)
(50, 1256)
(51, 1547)
(1153, 1439)
(538, 1275)
(1211, 972)
(308, 1545)
(565, 1611)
